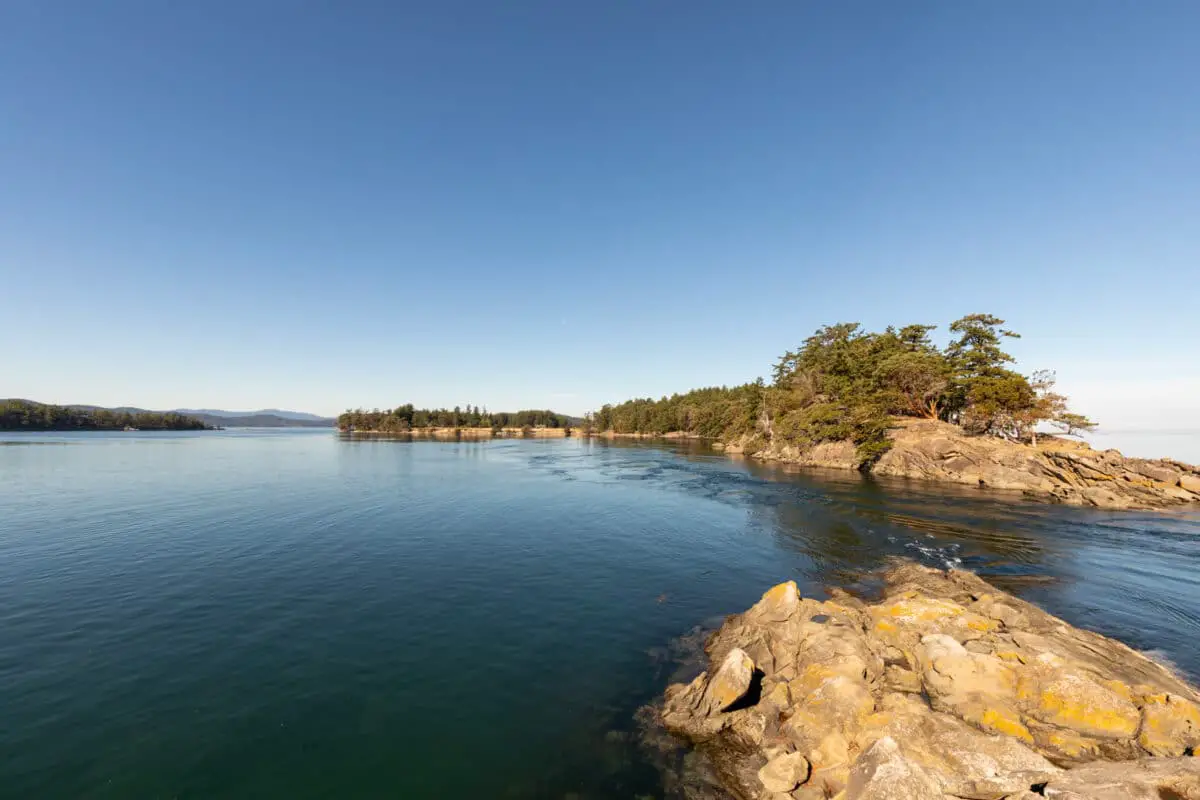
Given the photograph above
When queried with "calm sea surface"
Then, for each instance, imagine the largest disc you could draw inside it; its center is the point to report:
(290, 614)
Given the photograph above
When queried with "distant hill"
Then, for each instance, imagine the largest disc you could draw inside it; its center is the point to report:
(300, 416)
(218, 418)
(261, 420)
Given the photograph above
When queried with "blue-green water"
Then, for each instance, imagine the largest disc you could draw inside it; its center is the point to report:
(290, 614)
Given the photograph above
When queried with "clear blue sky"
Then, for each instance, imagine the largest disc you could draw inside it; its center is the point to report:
(318, 205)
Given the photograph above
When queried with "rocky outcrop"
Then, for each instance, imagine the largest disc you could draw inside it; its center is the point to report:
(1057, 469)
(945, 688)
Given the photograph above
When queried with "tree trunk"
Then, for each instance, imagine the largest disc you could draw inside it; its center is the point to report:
(764, 420)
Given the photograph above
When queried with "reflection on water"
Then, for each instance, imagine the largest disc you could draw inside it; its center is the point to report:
(288, 614)
(1132, 575)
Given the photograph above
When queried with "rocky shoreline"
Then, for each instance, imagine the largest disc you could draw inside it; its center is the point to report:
(470, 433)
(1056, 469)
(944, 688)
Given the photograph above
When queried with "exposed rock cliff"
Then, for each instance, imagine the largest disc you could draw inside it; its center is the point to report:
(1057, 469)
(946, 688)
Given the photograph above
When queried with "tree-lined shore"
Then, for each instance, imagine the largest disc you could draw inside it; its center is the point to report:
(847, 384)
(26, 415)
(405, 419)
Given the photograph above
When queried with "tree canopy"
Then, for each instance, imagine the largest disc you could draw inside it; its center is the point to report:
(846, 383)
(405, 418)
(24, 415)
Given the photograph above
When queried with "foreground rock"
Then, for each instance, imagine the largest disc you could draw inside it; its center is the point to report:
(945, 688)
(1057, 469)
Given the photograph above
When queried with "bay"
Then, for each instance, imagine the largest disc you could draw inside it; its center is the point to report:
(297, 614)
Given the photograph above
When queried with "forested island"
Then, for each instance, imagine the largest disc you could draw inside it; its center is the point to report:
(26, 415)
(894, 403)
(844, 383)
(406, 418)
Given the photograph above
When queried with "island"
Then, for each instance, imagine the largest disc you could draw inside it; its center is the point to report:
(943, 688)
(893, 403)
(26, 415)
(459, 422)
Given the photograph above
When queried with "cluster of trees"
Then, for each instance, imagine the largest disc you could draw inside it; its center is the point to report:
(24, 415)
(406, 418)
(715, 412)
(844, 383)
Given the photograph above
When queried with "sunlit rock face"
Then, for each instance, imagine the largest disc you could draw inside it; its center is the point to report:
(945, 687)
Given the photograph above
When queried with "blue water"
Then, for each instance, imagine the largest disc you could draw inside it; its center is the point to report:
(292, 614)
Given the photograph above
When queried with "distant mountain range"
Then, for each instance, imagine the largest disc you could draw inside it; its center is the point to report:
(299, 416)
(264, 418)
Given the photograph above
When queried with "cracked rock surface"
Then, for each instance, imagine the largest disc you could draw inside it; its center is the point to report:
(944, 688)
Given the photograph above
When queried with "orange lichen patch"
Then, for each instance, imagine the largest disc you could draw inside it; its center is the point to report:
(731, 680)
(781, 593)
(811, 679)
(1119, 688)
(924, 610)
(1144, 482)
(779, 695)
(1070, 744)
(1071, 701)
(1170, 725)
(885, 626)
(779, 601)
(1005, 721)
(1011, 656)
(981, 624)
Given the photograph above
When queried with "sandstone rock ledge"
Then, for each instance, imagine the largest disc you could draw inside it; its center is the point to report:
(945, 688)
(1058, 470)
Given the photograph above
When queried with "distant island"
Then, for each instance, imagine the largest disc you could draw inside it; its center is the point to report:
(267, 418)
(893, 403)
(31, 415)
(407, 419)
(26, 415)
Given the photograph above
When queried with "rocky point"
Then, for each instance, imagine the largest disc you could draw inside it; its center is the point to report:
(1055, 469)
(944, 688)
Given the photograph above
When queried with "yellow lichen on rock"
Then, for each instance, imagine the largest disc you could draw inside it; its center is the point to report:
(1170, 725)
(920, 610)
(811, 679)
(1072, 701)
(1119, 688)
(924, 615)
(731, 681)
(779, 601)
(946, 687)
(1069, 744)
(1005, 721)
(779, 695)
(981, 624)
